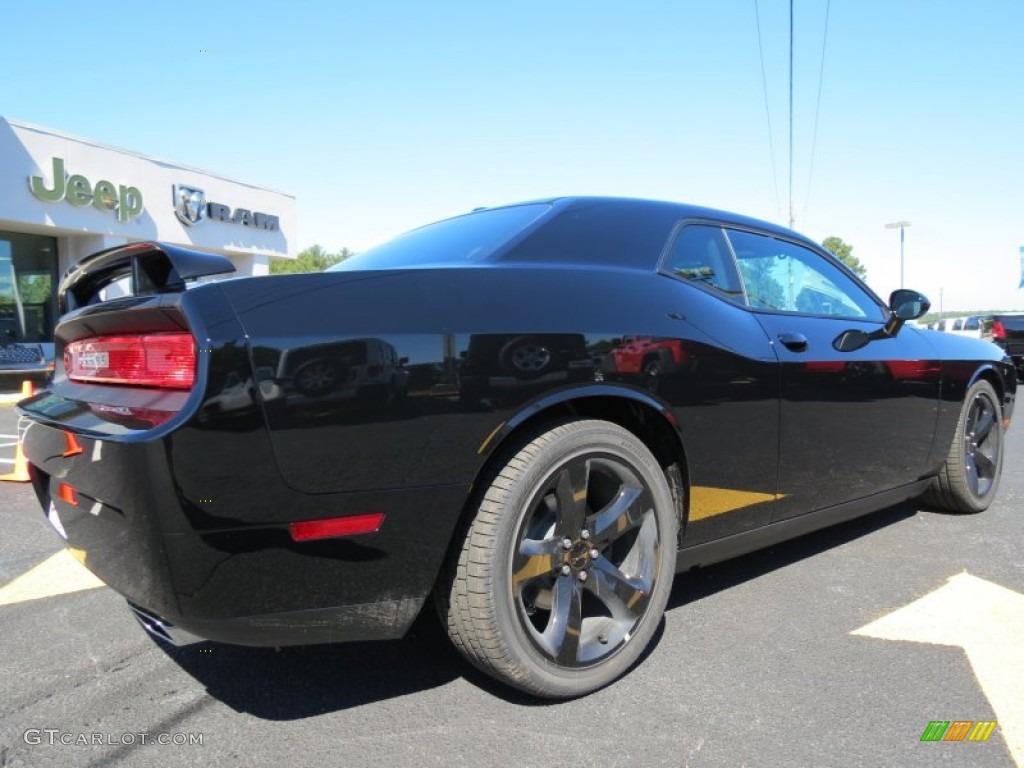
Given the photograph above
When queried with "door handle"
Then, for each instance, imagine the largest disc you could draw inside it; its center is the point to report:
(794, 341)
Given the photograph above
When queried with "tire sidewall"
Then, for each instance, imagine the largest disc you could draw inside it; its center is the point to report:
(580, 439)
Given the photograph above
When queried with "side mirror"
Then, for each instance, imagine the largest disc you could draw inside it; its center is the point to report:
(904, 305)
(908, 305)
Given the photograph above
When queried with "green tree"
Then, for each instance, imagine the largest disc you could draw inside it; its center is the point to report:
(844, 252)
(35, 289)
(313, 259)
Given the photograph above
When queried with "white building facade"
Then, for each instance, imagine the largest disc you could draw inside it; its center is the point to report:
(63, 198)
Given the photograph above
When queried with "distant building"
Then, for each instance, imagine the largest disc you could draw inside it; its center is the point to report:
(63, 197)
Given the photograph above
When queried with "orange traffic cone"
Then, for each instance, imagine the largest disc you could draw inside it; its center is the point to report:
(20, 473)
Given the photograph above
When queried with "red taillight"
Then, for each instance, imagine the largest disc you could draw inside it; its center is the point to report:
(336, 526)
(142, 360)
(998, 330)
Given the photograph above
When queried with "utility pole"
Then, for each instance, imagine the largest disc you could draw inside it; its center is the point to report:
(901, 226)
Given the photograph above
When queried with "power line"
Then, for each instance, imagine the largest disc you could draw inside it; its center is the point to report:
(791, 220)
(767, 112)
(817, 107)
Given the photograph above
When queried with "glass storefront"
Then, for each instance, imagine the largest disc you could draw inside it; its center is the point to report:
(28, 275)
(28, 302)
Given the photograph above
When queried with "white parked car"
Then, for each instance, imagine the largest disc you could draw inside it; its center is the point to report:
(969, 325)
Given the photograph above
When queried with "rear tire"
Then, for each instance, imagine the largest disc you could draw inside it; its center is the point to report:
(566, 568)
(968, 480)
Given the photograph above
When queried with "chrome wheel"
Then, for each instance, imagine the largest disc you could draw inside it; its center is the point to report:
(566, 567)
(586, 560)
(316, 378)
(968, 479)
(531, 358)
(982, 444)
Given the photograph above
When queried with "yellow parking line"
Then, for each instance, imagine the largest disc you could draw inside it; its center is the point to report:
(708, 502)
(57, 575)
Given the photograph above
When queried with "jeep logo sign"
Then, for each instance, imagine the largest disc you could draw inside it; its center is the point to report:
(191, 207)
(77, 190)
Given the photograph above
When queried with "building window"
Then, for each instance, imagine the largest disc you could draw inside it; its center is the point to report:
(28, 277)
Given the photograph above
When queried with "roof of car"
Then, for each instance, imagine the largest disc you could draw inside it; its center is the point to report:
(680, 210)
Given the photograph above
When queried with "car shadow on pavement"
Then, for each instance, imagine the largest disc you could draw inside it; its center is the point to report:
(306, 681)
(706, 581)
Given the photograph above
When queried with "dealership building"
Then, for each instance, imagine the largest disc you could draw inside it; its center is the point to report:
(63, 198)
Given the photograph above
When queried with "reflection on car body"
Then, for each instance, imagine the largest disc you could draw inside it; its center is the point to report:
(511, 365)
(644, 360)
(368, 370)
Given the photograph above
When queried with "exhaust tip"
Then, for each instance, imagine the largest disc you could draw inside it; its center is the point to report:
(162, 629)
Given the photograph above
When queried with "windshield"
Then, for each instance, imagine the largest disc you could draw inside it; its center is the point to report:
(466, 239)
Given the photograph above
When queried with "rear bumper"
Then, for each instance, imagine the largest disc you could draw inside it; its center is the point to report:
(380, 620)
(201, 546)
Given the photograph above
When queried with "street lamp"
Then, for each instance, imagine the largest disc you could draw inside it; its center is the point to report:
(900, 225)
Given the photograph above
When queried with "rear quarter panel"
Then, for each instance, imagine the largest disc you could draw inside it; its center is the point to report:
(456, 410)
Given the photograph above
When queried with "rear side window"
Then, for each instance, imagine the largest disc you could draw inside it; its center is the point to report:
(463, 240)
(701, 255)
(599, 233)
(972, 324)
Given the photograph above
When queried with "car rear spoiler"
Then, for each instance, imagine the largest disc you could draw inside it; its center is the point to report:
(153, 268)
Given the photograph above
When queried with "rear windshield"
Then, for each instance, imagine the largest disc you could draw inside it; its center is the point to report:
(462, 240)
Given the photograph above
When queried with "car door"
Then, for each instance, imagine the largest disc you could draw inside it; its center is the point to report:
(852, 423)
(721, 379)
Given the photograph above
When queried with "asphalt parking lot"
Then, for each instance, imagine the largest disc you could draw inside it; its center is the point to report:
(837, 649)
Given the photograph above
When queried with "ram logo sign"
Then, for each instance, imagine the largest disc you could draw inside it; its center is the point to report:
(189, 204)
(191, 207)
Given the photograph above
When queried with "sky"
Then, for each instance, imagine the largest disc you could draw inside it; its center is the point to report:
(380, 117)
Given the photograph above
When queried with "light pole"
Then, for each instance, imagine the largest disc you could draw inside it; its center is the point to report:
(900, 225)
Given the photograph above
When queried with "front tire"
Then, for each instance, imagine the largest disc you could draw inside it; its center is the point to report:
(566, 567)
(968, 480)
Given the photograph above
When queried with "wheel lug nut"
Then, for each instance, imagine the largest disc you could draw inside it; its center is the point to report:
(565, 570)
(594, 554)
(566, 544)
(582, 576)
(584, 534)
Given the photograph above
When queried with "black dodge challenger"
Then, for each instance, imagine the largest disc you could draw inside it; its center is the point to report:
(527, 418)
